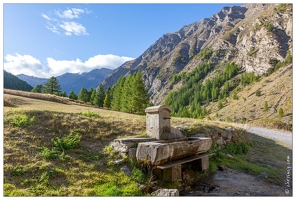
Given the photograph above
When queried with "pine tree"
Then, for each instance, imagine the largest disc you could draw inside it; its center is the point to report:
(220, 105)
(265, 106)
(117, 94)
(139, 99)
(127, 93)
(107, 100)
(52, 86)
(89, 94)
(72, 95)
(38, 88)
(100, 96)
(83, 95)
(63, 94)
(92, 97)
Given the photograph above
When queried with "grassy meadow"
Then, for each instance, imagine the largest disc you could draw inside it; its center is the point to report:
(59, 149)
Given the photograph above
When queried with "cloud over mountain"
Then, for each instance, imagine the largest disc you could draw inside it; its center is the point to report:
(27, 64)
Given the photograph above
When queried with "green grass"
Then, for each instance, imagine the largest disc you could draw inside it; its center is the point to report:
(65, 153)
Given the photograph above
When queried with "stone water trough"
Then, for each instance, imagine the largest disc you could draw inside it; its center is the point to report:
(166, 149)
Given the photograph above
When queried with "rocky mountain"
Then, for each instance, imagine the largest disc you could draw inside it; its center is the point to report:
(254, 36)
(71, 81)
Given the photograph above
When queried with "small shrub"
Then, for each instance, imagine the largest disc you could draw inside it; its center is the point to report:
(229, 119)
(17, 171)
(281, 112)
(49, 154)
(265, 106)
(45, 176)
(69, 142)
(139, 176)
(235, 149)
(258, 93)
(22, 120)
(90, 114)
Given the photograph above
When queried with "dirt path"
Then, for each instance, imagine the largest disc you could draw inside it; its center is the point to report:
(233, 183)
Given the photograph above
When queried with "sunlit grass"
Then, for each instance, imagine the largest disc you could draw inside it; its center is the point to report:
(38, 162)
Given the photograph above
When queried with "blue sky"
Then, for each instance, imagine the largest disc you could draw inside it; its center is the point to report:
(46, 40)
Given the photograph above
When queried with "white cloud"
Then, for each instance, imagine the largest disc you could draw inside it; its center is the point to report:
(45, 16)
(70, 13)
(73, 27)
(52, 28)
(26, 64)
(18, 64)
(61, 22)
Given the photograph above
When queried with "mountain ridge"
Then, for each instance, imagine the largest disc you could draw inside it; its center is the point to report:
(72, 81)
(253, 36)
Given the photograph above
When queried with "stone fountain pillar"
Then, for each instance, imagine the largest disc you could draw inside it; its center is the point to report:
(158, 123)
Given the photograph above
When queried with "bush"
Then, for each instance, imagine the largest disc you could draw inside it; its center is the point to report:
(258, 93)
(22, 120)
(281, 112)
(265, 106)
(229, 119)
(139, 176)
(69, 142)
(236, 149)
(89, 114)
(49, 154)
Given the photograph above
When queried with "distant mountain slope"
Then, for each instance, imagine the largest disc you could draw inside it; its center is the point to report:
(32, 80)
(13, 82)
(71, 81)
(254, 36)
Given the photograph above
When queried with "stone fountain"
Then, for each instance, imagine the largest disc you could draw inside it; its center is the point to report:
(166, 149)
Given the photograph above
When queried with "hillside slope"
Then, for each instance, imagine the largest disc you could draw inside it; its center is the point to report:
(276, 90)
(13, 82)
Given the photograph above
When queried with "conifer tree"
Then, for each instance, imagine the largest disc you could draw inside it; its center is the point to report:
(100, 96)
(220, 105)
(107, 100)
(92, 97)
(117, 94)
(63, 94)
(127, 93)
(139, 99)
(38, 88)
(265, 106)
(83, 95)
(52, 86)
(72, 95)
(281, 112)
(89, 94)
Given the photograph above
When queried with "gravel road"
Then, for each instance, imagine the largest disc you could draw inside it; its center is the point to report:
(284, 138)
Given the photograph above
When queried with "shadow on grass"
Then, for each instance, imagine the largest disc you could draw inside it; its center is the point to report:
(74, 172)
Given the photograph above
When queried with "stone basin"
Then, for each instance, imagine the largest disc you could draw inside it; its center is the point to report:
(160, 152)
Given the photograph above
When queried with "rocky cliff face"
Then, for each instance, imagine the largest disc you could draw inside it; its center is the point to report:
(254, 36)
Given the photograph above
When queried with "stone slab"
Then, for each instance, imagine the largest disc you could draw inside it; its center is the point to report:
(157, 153)
(122, 145)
